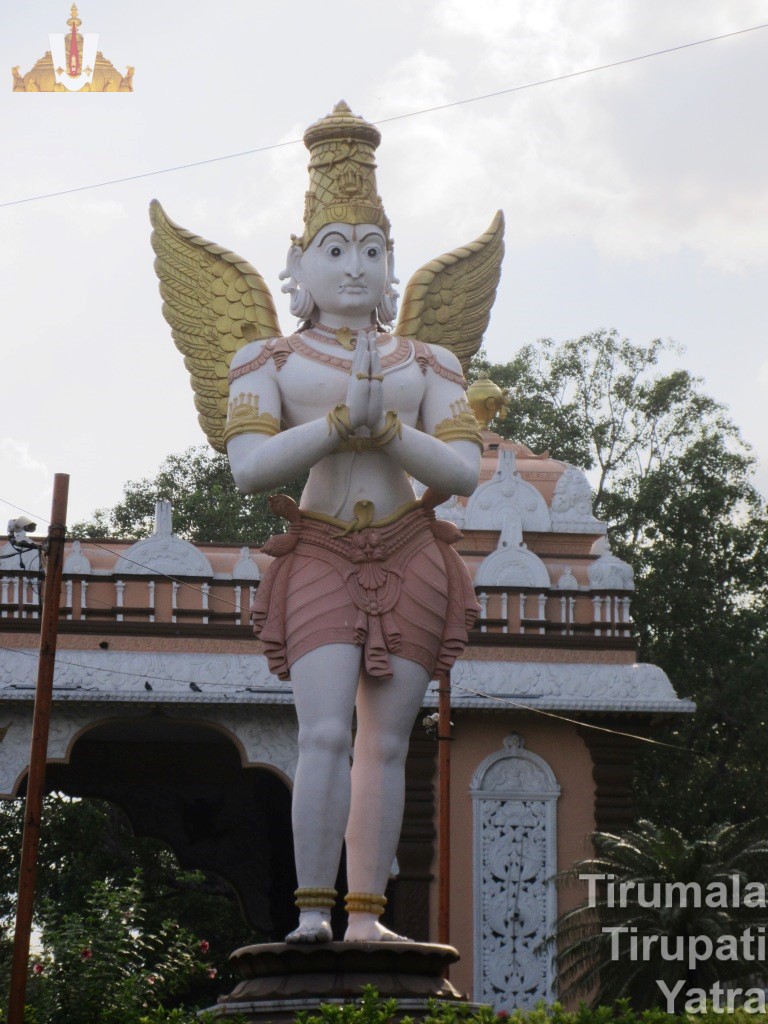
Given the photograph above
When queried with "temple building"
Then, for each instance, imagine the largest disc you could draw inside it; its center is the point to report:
(164, 704)
(73, 64)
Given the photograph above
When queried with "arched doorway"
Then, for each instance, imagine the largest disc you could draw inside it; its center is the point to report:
(183, 782)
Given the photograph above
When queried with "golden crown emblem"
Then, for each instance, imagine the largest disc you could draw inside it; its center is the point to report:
(342, 174)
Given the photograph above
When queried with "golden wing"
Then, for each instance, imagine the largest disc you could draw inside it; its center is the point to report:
(215, 302)
(448, 302)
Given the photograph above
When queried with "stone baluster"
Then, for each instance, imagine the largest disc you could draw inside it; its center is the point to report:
(543, 613)
(596, 607)
(151, 589)
(119, 589)
(626, 615)
(205, 592)
(238, 606)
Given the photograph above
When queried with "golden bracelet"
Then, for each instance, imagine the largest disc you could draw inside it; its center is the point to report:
(364, 903)
(392, 428)
(315, 898)
(338, 420)
(352, 443)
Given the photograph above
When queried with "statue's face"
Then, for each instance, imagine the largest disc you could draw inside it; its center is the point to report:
(345, 268)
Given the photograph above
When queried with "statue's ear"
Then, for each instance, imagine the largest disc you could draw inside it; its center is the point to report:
(392, 278)
(293, 262)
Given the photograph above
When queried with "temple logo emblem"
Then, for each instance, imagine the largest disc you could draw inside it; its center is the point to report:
(73, 64)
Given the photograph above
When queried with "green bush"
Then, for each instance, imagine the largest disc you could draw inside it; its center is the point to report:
(103, 965)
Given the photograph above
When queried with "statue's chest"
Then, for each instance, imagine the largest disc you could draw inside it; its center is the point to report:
(309, 388)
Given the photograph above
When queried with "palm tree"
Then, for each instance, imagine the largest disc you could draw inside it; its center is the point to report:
(660, 927)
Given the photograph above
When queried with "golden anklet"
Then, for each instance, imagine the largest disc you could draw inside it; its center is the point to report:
(364, 903)
(315, 898)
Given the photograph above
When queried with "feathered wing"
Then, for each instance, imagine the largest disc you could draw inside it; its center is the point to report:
(448, 302)
(215, 302)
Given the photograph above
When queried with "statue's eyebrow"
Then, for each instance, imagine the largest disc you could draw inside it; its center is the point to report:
(334, 232)
(373, 234)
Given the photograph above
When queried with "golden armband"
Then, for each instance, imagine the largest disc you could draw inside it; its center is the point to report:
(462, 426)
(243, 417)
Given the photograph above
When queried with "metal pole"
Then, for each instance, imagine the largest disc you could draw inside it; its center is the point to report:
(38, 748)
(444, 811)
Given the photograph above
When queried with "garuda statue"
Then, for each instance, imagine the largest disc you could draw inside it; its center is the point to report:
(365, 600)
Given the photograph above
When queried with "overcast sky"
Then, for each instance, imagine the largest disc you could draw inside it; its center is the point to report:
(635, 197)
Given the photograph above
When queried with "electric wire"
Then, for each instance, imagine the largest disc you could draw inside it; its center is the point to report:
(133, 561)
(454, 686)
(388, 120)
(478, 693)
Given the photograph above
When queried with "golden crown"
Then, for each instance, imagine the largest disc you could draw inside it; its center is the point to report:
(342, 174)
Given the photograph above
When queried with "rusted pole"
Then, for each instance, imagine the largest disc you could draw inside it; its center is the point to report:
(38, 751)
(444, 811)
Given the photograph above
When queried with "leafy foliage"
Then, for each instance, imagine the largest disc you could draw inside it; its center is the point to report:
(673, 479)
(88, 841)
(104, 965)
(653, 856)
(206, 504)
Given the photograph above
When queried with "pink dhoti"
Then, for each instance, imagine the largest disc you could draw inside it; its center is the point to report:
(393, 589)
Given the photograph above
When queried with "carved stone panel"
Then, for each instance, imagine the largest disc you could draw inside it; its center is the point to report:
(514, 794)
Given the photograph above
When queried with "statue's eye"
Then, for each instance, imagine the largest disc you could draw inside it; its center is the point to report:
(372, 252)
(335, 251)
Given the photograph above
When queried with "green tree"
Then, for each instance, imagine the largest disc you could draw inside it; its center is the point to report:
(673, 478)
(206, 504)
(594, 961)
(87, 843)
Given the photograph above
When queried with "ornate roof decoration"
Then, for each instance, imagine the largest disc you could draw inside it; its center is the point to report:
(609, 572)
(572, 505)
(246, 568)
(512, 564)
(77, 562)
(505, 492)
(73, 64)
(567, 581)
(163, 553)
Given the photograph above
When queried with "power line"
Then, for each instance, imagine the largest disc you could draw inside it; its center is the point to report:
(517, 705)
(133, 561)
(394, 117)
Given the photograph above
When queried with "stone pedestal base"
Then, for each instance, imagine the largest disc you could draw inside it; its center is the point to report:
(280, 978)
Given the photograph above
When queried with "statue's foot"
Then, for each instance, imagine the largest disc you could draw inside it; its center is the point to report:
(368, 928)
(314, 926)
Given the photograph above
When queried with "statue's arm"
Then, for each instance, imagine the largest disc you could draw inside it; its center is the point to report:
(261, 454)
(446, 454)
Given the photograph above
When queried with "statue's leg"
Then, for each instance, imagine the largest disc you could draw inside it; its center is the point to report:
(386, 710)
(324, 685)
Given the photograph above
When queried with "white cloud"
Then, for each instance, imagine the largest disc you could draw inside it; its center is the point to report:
(17, 453)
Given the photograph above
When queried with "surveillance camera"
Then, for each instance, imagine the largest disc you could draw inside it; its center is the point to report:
(23, 523)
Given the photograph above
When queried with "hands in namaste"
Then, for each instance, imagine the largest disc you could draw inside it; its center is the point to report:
(365, 392)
